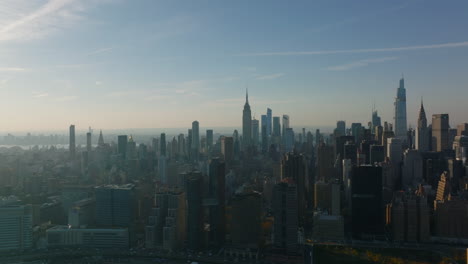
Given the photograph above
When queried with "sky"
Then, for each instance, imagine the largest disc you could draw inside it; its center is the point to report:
(116, 64)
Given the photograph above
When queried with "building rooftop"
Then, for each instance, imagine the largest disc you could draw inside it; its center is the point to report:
(128, 186)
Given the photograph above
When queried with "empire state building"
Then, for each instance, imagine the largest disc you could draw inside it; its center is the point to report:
(246, 123)
(400, 111)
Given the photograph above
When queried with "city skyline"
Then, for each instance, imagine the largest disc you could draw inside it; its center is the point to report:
(165, 64)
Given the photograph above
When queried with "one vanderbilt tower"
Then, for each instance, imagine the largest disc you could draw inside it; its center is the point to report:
(400, 111)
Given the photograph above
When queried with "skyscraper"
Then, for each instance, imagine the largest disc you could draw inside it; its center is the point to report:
(440, 132)
(366, 206)
(400, 111)
(15, 225)
(264, 121)
(340, 128)
(255, 132)
(115, 205)
(122, 141)
(285, 123)
(285, 212)
(227, 148)
(88, 142)
(276, 127)
(162, 144)
(209, 139)
(422, 133)
(246, 124)
(194, 211)
(72, 142)
(195, 140)
(268, 123)
(216, 193)
(294, 167)
(376, 121)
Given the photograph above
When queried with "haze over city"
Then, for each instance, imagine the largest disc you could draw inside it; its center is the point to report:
(163, 64)
(227, 132)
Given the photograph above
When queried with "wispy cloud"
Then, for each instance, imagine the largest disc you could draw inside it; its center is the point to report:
(66, 98)
(360, 63)
(40, 95)
(12, 69)
(270, 76)
(354, 51)
(99, 51)
(24, 19)
(157, 97)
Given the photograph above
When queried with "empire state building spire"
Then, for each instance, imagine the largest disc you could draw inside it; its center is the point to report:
(246, 123)
(247, 96)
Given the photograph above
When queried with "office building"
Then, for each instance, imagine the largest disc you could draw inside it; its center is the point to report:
(412, 174)
(462, 129)
(194, 211)
(269, 121)
(255, 132)
(440, 132)
(288, 138)
(294, 167)
(340, 128)
(285, 123)
(122, 142)
(376, 120)
(162, 145)
(357, 132)
(366, 204)
(246, 231)
(15, 225)
(156, 221)
(115, 205)
(216, 208)
(227, 148)
(64, 236)
(285, 213)
(265, 142)
(174, 230)
(400, 111)
(82, 213)
(209, 140)
(460, 145)
(276, 126)
(409, 218)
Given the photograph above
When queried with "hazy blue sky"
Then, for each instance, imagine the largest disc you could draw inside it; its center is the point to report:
(144, 64)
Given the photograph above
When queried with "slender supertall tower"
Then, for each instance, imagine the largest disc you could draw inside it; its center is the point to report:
(246, 123)
(72, 142)
(422, 133)
(400, 111)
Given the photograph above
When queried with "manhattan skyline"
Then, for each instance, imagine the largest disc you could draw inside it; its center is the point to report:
(165, 64)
